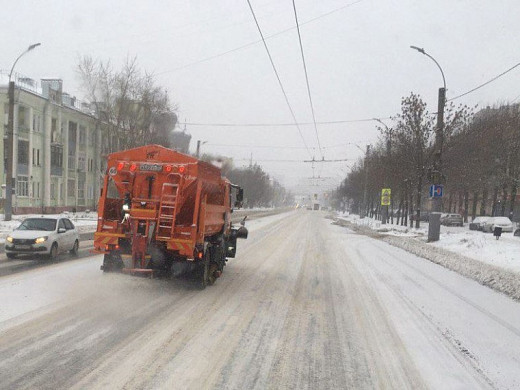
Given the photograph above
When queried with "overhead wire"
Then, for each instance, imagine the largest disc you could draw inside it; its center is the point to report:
(271, 146)
(306, 77)
(281, 124)
(484, 84)
(258, 41)
(278, 77)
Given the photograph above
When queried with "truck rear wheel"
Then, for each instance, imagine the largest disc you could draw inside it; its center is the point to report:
(207, 270)
(112, 263)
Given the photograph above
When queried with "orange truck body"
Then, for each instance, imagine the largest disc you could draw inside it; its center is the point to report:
(159, 208)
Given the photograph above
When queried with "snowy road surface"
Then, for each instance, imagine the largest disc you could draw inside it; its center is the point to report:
(305, 305)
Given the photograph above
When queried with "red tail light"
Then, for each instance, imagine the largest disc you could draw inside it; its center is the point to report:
(120, 166)
(182, 168)
(168, 168)
(133, 167)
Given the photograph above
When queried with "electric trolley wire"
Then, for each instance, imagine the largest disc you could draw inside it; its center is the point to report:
(281, 124)
(486, 83)
(255, 42)
(306, 77)
(271, 146)
(278, 77)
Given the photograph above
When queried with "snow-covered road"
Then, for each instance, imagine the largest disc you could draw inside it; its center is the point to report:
(305, 305)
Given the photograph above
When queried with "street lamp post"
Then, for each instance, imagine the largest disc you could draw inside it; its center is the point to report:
(434, 225)
(8, 209)
(365, 166)
(199, 144)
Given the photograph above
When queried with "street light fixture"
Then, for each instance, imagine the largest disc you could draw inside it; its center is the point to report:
(8, 209)
(434, 226)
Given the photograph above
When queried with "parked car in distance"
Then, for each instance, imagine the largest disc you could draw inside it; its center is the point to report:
(478, 223)
(43, 236)
(452, 220)
(503, 222)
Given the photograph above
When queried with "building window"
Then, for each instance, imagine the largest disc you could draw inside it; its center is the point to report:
(36, 190)
(62, 195)
(53, 191)
(23, 152)
(81, 189)
(92, 138)
(56, 156)
(36, 157)
(36, 123)
(90, 192)
(22, 114)
(82, 135)
(73, 127)
(81, 163)
(72, 162)
(71, 187)
(22, 186)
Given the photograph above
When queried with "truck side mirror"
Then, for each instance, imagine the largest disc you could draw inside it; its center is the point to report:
(240, 198)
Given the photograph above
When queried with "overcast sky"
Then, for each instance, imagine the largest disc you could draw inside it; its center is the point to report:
(206, 53)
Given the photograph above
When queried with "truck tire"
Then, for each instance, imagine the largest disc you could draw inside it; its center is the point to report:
(207, 269)
(112, 263)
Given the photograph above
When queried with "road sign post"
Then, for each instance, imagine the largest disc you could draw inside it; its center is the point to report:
(386, 194)
(434, 225)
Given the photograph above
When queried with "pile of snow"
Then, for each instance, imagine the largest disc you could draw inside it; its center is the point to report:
(388, 229)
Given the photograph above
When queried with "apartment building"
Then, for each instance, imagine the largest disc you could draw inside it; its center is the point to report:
(57, 156)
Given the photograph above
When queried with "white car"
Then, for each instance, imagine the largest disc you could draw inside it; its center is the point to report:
(45, 236)
(503, 222)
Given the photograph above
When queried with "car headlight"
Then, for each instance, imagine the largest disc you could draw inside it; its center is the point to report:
(39, 240)
(9, 239)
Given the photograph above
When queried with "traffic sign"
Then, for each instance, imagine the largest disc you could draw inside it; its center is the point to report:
(436, 191)
(386, 196)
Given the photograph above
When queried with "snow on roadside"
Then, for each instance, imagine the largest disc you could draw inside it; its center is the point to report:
(477, 255)
(477, 245)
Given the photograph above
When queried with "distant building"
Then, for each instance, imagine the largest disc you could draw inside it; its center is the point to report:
(180, 141)
(56, 148)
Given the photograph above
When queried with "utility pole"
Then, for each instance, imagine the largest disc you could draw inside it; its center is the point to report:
(199, 144)
(9, 185)
(434, 224)
(9, 182)
(198, 149)
(362, 213)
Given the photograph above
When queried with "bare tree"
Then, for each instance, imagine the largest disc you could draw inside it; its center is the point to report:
(131, 109)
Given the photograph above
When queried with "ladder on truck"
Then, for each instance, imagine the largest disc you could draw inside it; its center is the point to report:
(167, 210)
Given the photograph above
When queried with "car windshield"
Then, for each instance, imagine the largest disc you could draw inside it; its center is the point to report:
(501, 220)
(46, 224)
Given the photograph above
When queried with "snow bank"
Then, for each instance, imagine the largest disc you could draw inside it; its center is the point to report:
(476, 255)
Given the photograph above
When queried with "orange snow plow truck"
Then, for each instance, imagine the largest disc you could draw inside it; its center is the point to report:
(166, 213)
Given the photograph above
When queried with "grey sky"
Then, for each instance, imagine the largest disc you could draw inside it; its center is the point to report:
(358, 59)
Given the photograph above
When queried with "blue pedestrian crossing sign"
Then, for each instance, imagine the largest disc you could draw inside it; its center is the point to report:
(436, 191)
